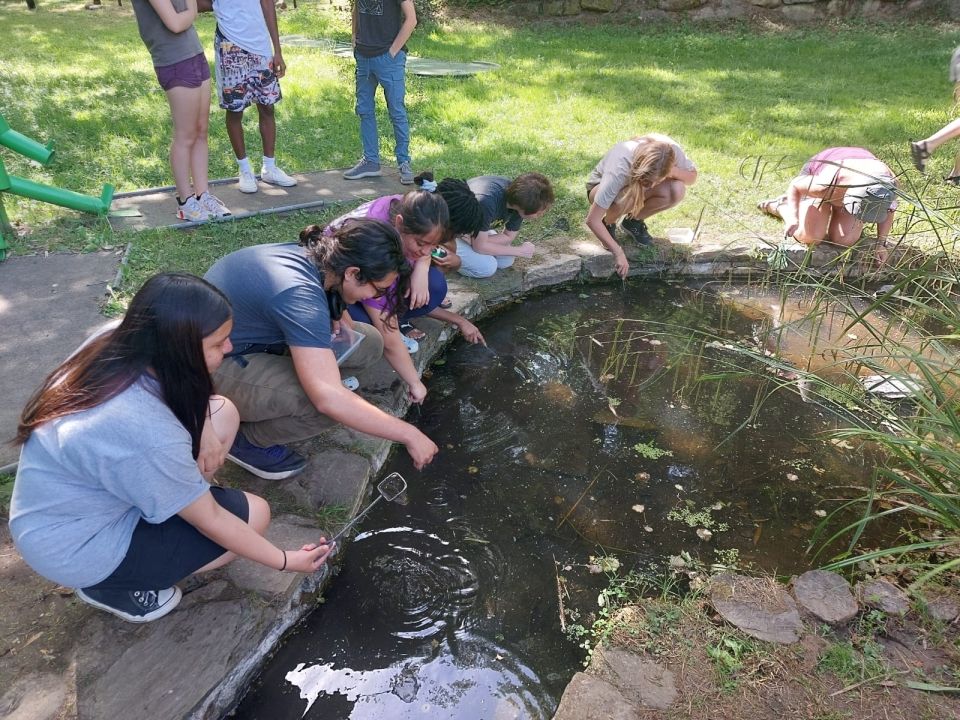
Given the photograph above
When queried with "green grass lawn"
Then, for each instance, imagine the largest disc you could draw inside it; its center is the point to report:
(738, 99)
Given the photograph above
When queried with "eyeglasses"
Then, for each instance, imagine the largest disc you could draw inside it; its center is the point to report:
(381, 290)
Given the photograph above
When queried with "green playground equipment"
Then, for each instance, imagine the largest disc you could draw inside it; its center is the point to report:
(23, 145)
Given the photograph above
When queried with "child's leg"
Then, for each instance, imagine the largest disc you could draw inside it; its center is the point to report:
(473, 264)
(504, 261)
(845, 228)
(189, 109)
(223, 420)
(268, 129)
(437, 288)
(393, 79)
(814, 221)
(234, 122)
(365, 108)
(661, 197)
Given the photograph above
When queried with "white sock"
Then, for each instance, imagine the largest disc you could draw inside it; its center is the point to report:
(244, 164)
(268, 163)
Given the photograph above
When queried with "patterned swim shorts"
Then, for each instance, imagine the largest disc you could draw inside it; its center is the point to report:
(243, 79)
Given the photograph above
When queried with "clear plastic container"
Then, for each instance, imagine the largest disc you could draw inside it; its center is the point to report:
(680, 236)
(344, 343)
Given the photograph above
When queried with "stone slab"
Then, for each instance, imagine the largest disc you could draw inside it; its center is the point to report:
(155, 208)
(332, 477)
(639, 679)
(49, 304)
(285, 532)
(39, 696)
(758, 606)
(588, 697)
(163, 669)
(826, 595)
(553, 270)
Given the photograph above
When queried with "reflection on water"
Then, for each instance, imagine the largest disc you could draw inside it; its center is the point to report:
(573, 435)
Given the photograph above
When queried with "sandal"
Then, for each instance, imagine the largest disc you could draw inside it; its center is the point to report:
(919, 154)
(446, 304)
(952, 180)
(771, 207)
(412, 332)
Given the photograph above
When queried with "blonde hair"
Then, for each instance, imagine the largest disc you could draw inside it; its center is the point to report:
(652, 161)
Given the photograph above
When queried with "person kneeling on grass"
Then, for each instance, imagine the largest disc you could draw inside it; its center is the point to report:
(836, 193)
(505, 204)
(282, 374)
(635, 180)
(422, 219)
(112, 494)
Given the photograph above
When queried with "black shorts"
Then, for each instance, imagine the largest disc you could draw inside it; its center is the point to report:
(163, 554)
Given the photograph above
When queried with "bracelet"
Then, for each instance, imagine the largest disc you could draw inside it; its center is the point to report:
(284, 560)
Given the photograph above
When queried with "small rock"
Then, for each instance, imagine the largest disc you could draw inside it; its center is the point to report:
(883, 595)
(943, 608)
(826, 595)
(758, 606)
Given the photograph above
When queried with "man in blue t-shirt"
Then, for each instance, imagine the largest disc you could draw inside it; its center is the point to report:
(381, 29)
(282, 374)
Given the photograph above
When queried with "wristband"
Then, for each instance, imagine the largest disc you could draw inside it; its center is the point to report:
(284, 560)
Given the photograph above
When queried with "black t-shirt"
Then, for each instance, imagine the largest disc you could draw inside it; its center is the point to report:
(378, 23)
(491, 192)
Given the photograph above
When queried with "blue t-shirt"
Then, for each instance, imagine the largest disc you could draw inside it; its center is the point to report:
(85, 480)
(277, 297)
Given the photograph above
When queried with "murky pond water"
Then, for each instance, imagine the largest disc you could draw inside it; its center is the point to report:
(572, 437)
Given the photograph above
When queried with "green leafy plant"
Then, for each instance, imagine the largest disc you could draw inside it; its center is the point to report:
(650, 451)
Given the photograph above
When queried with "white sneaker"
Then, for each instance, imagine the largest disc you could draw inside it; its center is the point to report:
(247, 182)
(193, 211)
(213, 205)
(276, 176)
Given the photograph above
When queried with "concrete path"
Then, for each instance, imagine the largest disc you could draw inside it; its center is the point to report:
(48, 306)
(156, 208)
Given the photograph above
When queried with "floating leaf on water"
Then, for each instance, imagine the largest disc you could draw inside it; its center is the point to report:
(704, 534)
(655, 342)
(717, 505)
(638, 508)
(820, 513)
(558, 499)
(607, 376)
(792, 477)
(852, 336)
(642, 476)
(679, 487)
(440, 361)
(567, 568)
(594, 569)
(648, 528)
(473, 469)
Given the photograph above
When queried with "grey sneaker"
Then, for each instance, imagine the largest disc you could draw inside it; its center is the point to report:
(364, 168)
(406, 174)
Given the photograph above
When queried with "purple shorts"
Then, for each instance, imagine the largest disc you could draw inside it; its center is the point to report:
(189, 73)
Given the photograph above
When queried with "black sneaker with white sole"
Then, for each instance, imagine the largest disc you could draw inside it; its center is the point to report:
(638, 229)
(275, 462)
(136, 606)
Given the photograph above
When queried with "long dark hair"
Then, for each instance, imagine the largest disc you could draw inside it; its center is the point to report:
(370, 245)
(162, 332)
(424, 209)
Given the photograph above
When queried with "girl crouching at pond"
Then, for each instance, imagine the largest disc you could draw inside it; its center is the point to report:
(422, 219)
(635, 180)
(112, 494)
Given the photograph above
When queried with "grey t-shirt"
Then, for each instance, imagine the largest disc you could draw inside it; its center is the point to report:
(612, 172)
(277, 297)
(166, 48)
(491, 192)
(85, 480)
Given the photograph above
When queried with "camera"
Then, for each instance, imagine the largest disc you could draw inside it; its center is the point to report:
(439, 253)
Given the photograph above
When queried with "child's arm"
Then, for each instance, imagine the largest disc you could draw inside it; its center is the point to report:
(406, 29)
(419, 283)
(270, 17)
(176, 22)
(500, 244)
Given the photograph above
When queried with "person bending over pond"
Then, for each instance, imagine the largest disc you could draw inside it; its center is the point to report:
(112, 494)
(282, 374)
(635, 180)
(505, 204)
(837, 192)
(422, 219)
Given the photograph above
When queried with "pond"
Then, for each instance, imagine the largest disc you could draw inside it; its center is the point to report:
(576, 441)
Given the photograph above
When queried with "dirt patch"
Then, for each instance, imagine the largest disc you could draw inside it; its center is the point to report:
(721, 674)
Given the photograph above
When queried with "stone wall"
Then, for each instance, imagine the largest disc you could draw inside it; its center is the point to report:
(778, 11)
